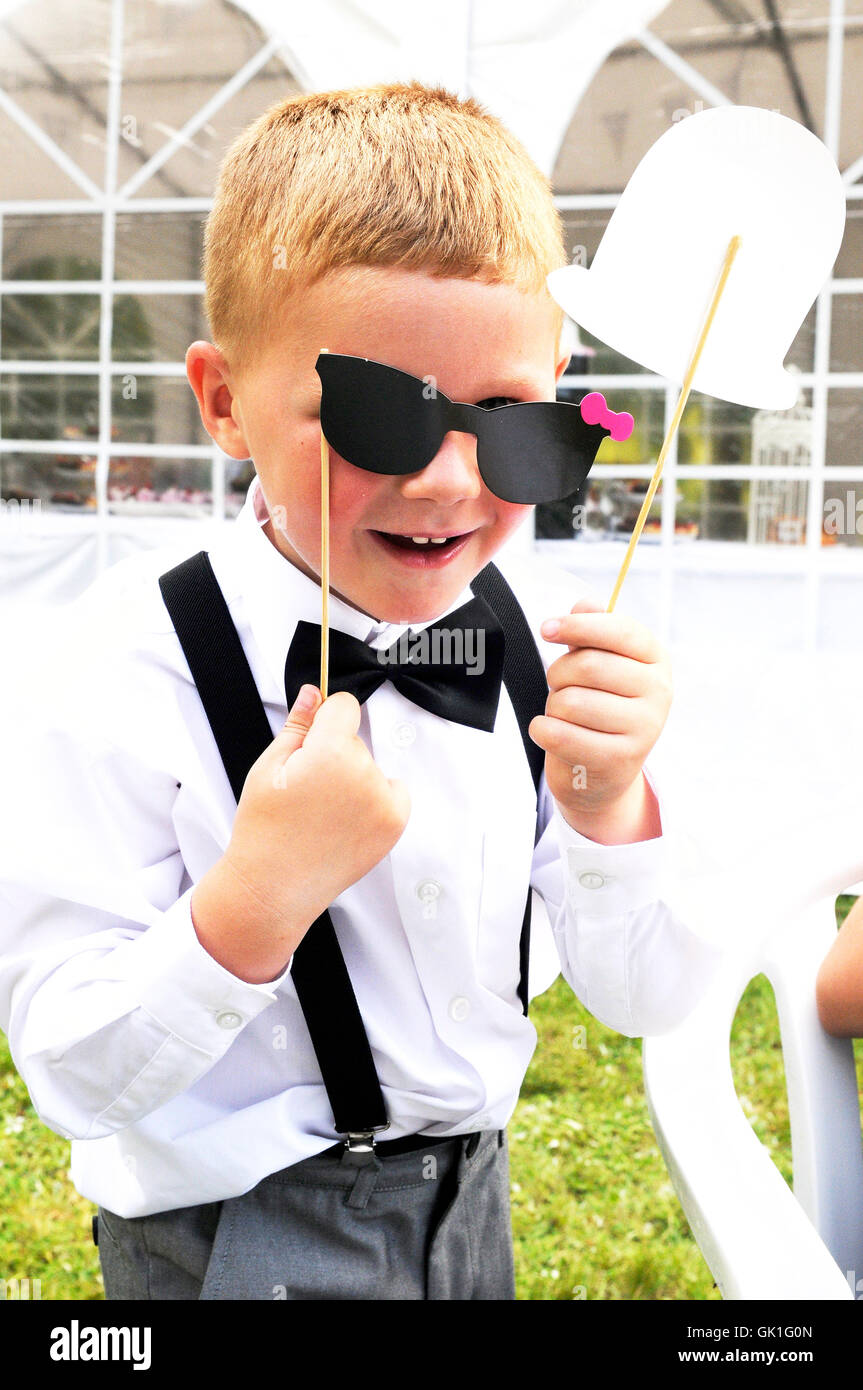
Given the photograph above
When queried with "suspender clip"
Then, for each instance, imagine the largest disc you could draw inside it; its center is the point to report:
(360, 1144)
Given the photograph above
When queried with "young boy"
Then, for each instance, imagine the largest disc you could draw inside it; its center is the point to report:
(155, 927)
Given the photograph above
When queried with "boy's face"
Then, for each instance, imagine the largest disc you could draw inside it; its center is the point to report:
(478, 342)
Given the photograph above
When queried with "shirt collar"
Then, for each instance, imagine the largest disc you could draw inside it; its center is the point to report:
(278, 595)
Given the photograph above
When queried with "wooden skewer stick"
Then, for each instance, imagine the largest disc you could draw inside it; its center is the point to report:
(733, 248)
(325, 560)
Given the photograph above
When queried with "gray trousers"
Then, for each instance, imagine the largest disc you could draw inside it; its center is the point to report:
(426, 1225)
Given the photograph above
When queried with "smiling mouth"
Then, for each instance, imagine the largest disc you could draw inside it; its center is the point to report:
(422, 552)
(421, 542)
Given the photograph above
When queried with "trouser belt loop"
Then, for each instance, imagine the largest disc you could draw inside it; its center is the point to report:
(359, 1153)
(472, 1144)
(364, 1185)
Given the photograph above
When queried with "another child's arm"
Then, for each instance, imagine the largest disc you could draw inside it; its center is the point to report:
(839, 986)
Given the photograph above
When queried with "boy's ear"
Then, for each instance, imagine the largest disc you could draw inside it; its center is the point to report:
(209, 378)
(562, 365)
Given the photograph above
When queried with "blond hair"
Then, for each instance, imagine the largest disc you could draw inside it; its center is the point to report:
(396, 175)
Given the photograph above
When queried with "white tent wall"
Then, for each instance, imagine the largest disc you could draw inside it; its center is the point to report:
(112, 120)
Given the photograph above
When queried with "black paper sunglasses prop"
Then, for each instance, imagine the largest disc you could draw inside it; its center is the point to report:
(386, 421)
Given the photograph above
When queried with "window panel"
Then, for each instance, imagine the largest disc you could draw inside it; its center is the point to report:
(801, 353)
(156, 327)
(610, 508)
(850, 136)
(844, 429)
(238, 480)
(849, 262)
(159, 246)
(155, 410)
(159, 487)
(714, 432)
(713, 509)
(48, 407)
(46, 327)
(842, 514)
(846, 333)
(583, 230)
(65, 247)
(60, 482)
(773, 508)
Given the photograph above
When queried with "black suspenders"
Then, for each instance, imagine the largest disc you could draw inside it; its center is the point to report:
(241, 729)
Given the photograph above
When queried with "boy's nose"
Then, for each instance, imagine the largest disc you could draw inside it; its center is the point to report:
(451, 475)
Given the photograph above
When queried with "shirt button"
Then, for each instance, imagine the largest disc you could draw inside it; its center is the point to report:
(428, 892)
(227, 1019)
(459, 1008)
(404, 735)
(591, 880)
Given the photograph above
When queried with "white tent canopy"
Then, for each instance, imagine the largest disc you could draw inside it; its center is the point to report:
(528, 64)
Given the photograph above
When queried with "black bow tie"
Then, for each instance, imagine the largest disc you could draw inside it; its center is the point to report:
(453, 669)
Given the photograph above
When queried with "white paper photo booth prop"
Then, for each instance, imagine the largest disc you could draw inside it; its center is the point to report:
(733, 170)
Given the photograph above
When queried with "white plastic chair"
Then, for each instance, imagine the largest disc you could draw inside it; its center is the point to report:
(760, 1240)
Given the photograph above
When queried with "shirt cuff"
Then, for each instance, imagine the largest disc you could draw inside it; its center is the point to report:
(608, 880)
(188, 992)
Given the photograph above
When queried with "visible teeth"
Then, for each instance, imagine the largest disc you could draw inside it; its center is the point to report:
(425, 540)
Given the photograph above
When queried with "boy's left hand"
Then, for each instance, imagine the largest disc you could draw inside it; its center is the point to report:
(609, 697)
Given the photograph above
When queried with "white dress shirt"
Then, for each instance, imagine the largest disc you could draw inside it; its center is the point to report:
(181, 1083)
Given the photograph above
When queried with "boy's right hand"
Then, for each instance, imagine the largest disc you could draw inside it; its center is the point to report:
(315, 815)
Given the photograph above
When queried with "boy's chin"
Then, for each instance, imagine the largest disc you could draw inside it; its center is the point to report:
(419, 597)
(391, 608)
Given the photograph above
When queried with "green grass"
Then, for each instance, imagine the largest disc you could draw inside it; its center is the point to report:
(45, 1231)
(594, 1213)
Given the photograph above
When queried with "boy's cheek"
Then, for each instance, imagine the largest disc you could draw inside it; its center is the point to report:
(352, 489)
(510, 516)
